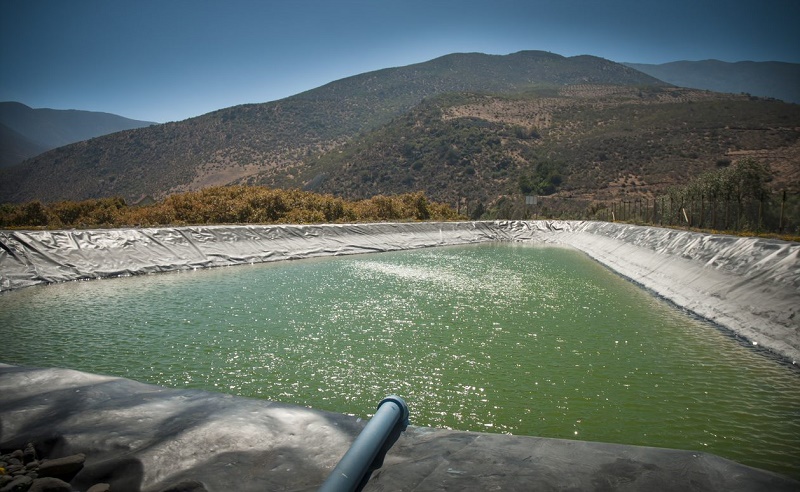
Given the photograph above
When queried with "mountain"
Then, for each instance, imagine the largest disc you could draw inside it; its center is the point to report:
(15, 147)
(581, 142)
(27, 132)
(764, 79)
(254, 141)
(464, 128)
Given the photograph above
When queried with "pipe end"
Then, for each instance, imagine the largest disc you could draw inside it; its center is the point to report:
(403, 408)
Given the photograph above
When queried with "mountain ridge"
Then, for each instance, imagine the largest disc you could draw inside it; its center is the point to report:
(465, 126)
(234, 144)
(33, 131)
(15, 147)
(780, 80)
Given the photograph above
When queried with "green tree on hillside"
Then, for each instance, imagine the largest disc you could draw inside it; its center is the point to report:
(545, 179)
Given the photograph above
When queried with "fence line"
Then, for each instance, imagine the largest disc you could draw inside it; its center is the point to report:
(777, 212)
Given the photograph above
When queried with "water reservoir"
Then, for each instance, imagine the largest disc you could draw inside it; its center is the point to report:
(498, 338)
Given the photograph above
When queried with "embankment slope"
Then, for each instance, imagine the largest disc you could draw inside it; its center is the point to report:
(748, 285)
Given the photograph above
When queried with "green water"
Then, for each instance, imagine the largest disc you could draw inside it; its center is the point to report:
(497, 338)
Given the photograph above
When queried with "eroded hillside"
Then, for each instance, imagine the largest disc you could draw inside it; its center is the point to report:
(590, 142)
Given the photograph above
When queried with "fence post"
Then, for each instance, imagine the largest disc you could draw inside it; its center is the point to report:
(727, 213)
(714, 212)
(738, 214)
(671, 209)
(653, 217)
(702, 210)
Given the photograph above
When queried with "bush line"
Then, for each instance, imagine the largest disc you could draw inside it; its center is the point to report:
(224, 205)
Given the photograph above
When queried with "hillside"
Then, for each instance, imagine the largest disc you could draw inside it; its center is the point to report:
(15, 147)
(587, 142)
(28, 132)
(252, 142)
(764, 79)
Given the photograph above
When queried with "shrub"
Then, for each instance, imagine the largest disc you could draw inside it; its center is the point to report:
(225, 205)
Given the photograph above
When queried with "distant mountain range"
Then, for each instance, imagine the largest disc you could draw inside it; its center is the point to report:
(764, 79)
(26, 132)
(470, 127)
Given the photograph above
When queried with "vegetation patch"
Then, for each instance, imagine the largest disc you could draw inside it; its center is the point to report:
(225, 205)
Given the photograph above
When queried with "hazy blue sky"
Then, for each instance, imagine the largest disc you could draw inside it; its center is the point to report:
(166, 60)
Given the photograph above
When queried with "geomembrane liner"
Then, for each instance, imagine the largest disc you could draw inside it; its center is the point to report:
(142, 437)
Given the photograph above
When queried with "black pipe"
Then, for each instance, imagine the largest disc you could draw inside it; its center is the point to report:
(368, 450)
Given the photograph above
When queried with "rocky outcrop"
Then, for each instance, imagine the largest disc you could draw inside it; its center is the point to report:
(22, 471)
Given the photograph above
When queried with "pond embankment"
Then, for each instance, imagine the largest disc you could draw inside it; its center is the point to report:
(748, 285)
(142, 437)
